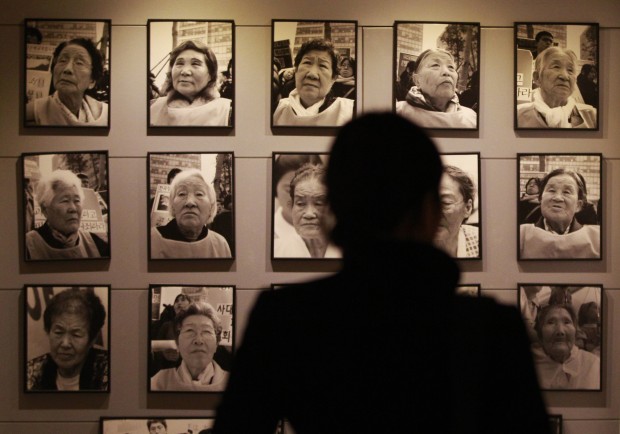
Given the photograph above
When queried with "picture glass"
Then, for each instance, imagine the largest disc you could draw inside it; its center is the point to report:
(190, 73)
(191, 205)
(314, 73)
(565, 329)
(190, 337)
(557, 79)
(559, 206)
(67, 73)
(436, 74)
(72, 352)
(66, 211)
(156, 425)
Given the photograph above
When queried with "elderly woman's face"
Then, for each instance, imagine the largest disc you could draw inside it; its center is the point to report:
(190, 74)
(313, 77)
(436, 76)
(197, 341)
(558, 334)
(73, 70)
(191, 205)
(557, 79)
(560, 200)
(69, 342)
(454, 209)
(309, 208)
(64, 212)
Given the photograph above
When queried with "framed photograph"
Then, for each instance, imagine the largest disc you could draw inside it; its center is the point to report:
(191, 205)
(190, 337)
(66, 206)
(556, 73)
(470, 290)
(156, 425)
(67, 338)
(555, 423)
(559, 206)
(565, 325)
(67, 73)
(190, 79)
(301, 219)
(314, 73)
(436, 74)
(459, 233)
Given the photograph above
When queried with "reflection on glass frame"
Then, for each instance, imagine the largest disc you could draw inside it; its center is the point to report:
(470, 290)
(301, 218)
(556, 75)
(67, 73)
(155, 424)
(179, 359)
(190, 73)
(559, 206)
(565, 326)
(67, 338)
(66, 206)
(314, 73)
(555, 423)
(459, 233)
(436, 74)
(191, 205)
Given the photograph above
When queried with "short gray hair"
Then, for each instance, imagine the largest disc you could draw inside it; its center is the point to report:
(200, 308)
(193, 173)
(541, 59)
(48, 185)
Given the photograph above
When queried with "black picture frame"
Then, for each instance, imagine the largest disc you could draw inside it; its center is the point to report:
(166, 370)
(288, 221)
(538, 95)
(541, 217)
(216, 241)
(555, 424)
(173, 424)
(92, 234)
(46, 96)
(414, 97)
(329, 105)
(565, 322)
(193, 79)
(468, 290)
(47, 353)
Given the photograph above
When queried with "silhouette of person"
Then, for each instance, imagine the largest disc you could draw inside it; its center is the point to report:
(384, 345)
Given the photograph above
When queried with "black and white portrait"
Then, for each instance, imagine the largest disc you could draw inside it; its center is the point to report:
(468, 290)
(436, 73)
(314, 73)
(190, 73)
(556, 72)
(459, 232)
(190, 337)
(156, 425)
(565, 328)
(301, 215)
(560, 206)
(67, 338)
(191, 205)
(66, 211)
(67, 70)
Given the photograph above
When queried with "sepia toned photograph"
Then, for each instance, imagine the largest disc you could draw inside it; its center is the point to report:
(67, 73)
(156, 425)
(66, 211)
(472, 290)
(191, 205)
(565, 326)
(190, 337)
(67, 338)
(459, 231)
(559, 206)
(301, 219)
(314, 73)
(190, 73)
(436, 74)
(556, 71)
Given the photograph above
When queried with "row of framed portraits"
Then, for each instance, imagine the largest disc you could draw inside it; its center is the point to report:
(191, 336)
(190, 81)
(191, 212)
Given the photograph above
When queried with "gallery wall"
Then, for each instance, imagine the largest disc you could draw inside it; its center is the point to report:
(128, 141)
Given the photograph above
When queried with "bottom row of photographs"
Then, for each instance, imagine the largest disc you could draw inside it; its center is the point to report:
(191, 336)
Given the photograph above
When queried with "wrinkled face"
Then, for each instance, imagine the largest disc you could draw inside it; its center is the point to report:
(181, 305)
(531, 187)
(65, 210)
(283, 191)
(558, 334)
(197, 341)
(313, 77)
(544, 43)
(309, 208)
(346, 70)
(157, 428)
(191, 205)
(436, 76)
(69, 342)
(560, 200)
(557, 78)
(190, 74)
(454, 210)
(72, 72)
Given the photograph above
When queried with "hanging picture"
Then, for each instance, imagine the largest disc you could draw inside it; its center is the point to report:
(156, 425)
